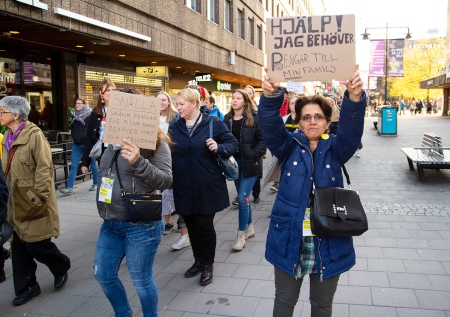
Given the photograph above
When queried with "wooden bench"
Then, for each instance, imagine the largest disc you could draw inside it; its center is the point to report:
(430, 155)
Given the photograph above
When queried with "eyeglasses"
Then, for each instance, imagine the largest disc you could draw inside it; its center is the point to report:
(2, 112)
(317, 118)
(78, 103)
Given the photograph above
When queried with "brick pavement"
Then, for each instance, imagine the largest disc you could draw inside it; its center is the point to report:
(403, 261)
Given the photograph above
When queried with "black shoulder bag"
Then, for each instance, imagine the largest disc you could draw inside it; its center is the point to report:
(228, 166)
(140, 207)
(337, 212)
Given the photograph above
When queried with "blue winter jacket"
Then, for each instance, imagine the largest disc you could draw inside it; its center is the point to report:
(299, 166)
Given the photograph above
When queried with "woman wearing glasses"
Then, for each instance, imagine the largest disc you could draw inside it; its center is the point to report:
(307, 155)
(32, 209)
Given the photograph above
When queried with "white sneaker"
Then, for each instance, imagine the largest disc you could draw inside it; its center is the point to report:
(274, 187)
(182, 243)
(357, 154)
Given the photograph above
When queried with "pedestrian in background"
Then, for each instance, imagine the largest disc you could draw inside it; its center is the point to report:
(308, 155)
(212, 108)
(168, 115)
(243, 123)
(78, 129)
(32, 209)
(97, 121)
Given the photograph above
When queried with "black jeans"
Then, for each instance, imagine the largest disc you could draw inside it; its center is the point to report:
(287, 291)
(257, 187)
(3, 257)
(203, 237)
(24, 266)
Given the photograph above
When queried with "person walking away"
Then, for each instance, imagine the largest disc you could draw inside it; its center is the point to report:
(32, 209)
(412, 108)
(334, 115)
(199, 188)
(402, 107)
(97, 121)
(78, 130)
(142, 171)
(242, 121)
(307, 156)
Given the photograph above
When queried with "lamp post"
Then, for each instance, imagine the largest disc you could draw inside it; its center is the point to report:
(386, 53)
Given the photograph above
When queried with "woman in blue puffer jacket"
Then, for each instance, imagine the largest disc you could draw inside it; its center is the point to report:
(306, 155)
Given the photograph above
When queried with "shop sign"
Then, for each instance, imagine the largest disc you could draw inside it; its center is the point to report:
(152, 71)
(7, 79)
(203, 77)
(3, 90)
(223, 86)
(35, 3)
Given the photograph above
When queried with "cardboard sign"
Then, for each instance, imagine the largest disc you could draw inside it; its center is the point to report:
(132, 117)
(311, 48)
(295, 86)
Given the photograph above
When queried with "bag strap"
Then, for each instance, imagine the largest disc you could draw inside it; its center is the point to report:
(347, 177)
(8, 165)
(114, 160)
(211, 128)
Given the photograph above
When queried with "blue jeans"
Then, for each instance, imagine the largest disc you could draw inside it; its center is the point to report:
(138, 242)
(77, 151)
(244, 188)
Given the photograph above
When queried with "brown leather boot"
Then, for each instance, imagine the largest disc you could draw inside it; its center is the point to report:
(207, 275)
(194, 270)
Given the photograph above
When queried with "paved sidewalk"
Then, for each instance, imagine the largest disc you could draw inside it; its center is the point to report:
(403, 261)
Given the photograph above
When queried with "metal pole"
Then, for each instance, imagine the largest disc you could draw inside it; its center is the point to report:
(386, 66)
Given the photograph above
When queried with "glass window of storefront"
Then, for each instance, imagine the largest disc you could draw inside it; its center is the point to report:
(35, 84)
(92, 78)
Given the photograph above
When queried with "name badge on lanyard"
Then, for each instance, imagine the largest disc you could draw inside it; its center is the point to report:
(307, 223)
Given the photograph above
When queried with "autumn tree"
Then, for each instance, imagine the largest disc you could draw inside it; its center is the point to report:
(422, 59)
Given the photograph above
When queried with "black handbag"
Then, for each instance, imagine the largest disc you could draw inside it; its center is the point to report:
(228, 165)
(140, 207)
(337, 212)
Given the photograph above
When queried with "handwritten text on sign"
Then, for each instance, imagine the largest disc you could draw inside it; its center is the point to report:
(311, 48)
(132, 117)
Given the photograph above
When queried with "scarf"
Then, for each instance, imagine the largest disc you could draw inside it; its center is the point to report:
(11, 137)
(82, 114)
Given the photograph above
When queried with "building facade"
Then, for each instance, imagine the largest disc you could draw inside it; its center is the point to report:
(54, 51)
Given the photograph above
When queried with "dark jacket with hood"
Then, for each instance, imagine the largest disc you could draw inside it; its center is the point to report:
(198, 185)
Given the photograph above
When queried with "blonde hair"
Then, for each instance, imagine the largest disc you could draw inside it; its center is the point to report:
(171, 109)
(204, 95)
(191, 95)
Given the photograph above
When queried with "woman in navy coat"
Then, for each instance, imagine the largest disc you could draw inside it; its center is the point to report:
(306, 155)
(199, 188)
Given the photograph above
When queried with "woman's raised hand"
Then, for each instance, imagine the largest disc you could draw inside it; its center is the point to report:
(267, 86)
(354, 86)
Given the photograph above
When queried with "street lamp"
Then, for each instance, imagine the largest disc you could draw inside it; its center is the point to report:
(386, 54)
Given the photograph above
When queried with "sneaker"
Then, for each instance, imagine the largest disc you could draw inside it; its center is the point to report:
(357, 154)
(168, 228)
(235, 202)
(274, 187)
(66, 191)
(257, 200)
(93, 187)
(182, 243)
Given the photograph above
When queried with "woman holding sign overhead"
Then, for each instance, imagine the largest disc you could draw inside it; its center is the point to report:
(307, 155)
(97, 121)
(139, 171)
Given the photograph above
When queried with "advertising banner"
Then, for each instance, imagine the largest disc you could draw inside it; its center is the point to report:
(311, 48)
(377, 58)
(396, 58)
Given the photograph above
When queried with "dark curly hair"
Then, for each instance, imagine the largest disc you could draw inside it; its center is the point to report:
(317, 100)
